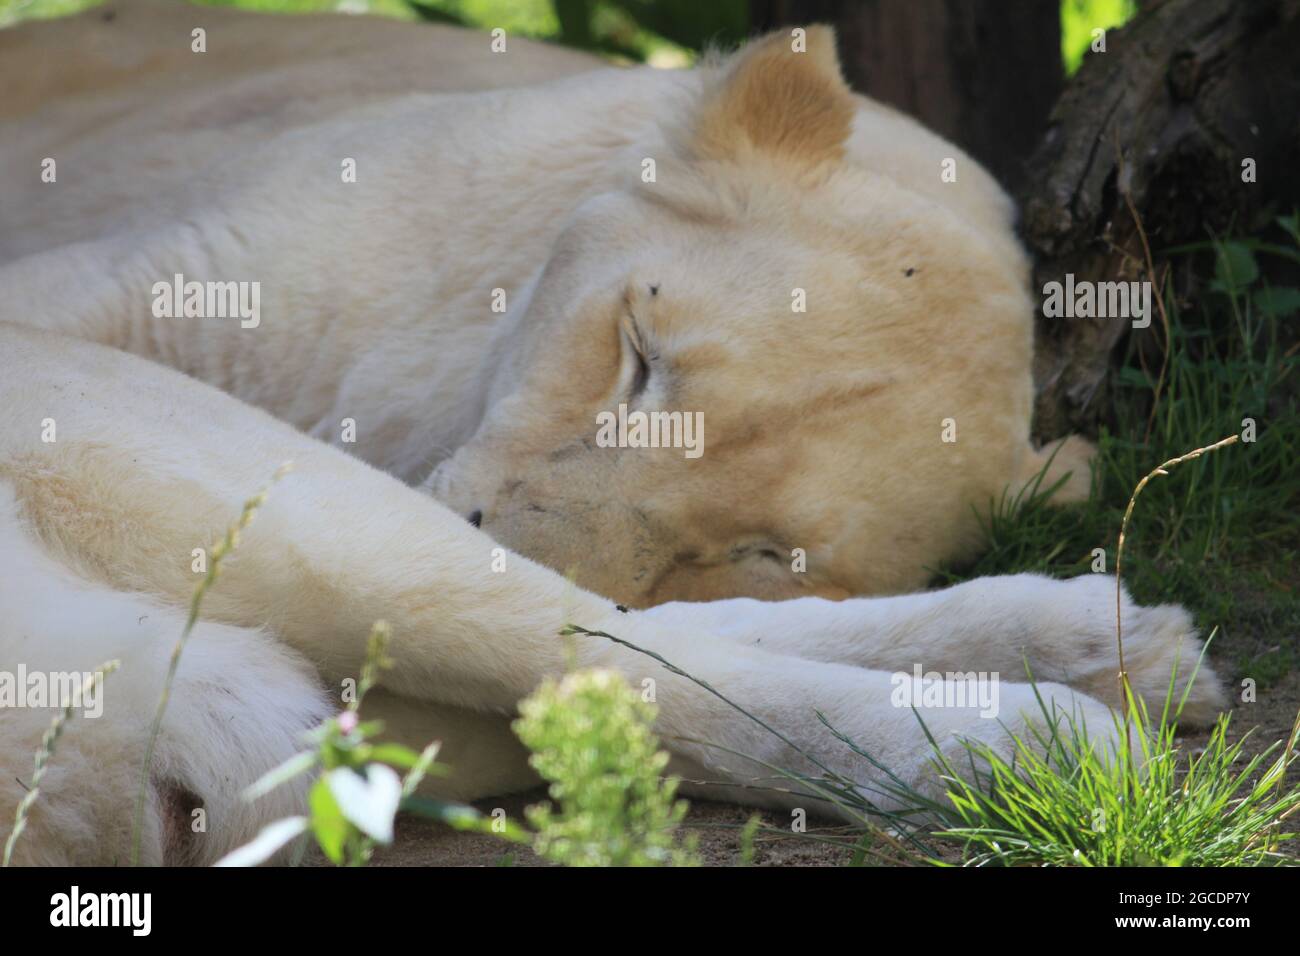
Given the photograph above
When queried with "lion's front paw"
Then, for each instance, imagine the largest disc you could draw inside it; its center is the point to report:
(1159, 642)
(1156, 641)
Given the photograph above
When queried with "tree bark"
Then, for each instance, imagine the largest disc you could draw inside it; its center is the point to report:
(1164, 119)
(982, 73)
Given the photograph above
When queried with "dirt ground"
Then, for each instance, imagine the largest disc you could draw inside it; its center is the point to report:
(717, 825)
(420, 843)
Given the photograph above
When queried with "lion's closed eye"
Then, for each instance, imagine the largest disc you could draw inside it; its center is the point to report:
(636, 364)
(759, 549)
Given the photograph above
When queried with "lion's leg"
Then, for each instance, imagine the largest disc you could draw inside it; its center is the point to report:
(240, 705)
(482, 753)
(1060, 630)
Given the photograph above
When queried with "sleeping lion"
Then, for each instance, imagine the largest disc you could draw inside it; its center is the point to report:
(698, 358)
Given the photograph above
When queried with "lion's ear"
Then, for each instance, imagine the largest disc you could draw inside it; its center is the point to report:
(782, 95)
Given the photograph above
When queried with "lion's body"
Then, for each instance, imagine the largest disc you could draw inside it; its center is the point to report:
(828, 428)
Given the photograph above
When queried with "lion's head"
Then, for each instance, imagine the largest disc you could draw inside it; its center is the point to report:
(853, 332)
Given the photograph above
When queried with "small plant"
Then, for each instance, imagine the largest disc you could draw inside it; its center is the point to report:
(353, 804)
(590, 737)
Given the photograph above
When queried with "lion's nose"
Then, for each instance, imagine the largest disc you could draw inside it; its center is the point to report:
(475, 517)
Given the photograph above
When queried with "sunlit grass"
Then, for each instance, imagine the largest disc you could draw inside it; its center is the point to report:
(1065, 799)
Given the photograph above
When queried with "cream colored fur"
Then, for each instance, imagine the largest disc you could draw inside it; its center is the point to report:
(823, 428)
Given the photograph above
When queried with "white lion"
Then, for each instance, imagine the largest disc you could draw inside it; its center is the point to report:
(211, 263)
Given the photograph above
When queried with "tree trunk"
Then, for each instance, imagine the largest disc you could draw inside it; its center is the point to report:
(1165, 118)
(982, 73)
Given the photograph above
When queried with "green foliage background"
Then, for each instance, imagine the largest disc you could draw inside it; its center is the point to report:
(662, 32)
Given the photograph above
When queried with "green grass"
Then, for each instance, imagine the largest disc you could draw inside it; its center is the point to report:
(1066, 800)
